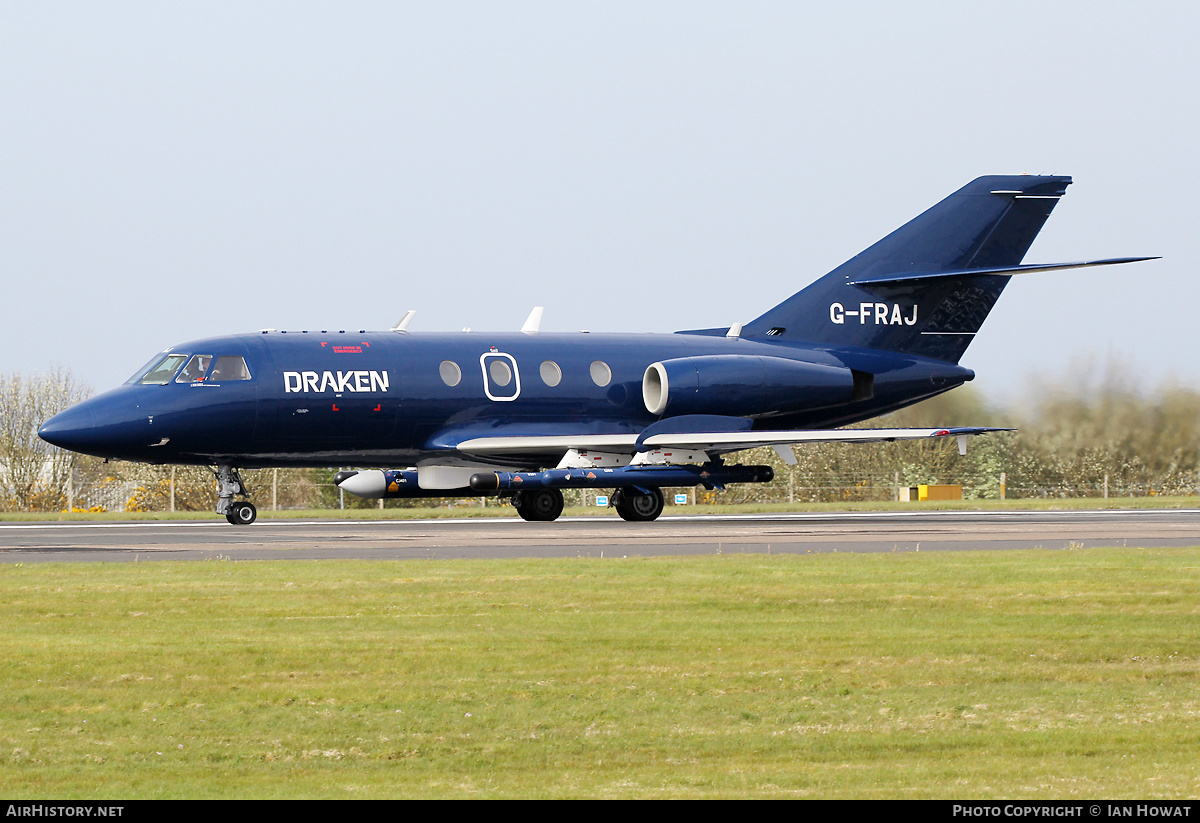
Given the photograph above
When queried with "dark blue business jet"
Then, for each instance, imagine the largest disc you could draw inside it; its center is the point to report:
(526, 415)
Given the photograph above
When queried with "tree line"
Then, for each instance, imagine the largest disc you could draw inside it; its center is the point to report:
(1081, 434)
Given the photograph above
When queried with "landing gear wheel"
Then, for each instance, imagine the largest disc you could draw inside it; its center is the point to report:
(636, 507)
(541, 506)
(241, 514)
(229, 485)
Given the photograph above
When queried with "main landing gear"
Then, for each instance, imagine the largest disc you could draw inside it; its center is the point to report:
(539, 505)
(633, 504)
(229, 483)
(638, 506)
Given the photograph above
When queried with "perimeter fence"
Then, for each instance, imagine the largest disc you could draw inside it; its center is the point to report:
(1095, 449)
(194, 489)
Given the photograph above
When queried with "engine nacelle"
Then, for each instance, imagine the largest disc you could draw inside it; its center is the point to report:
(742, 385)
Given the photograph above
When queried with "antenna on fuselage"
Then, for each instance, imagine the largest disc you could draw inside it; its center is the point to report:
(402, 326)
(533, 322)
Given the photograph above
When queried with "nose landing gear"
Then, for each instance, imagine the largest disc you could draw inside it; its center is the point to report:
(229, 483)
(241, 513)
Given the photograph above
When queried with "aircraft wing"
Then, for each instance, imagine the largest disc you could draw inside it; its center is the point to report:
(721, 442)
(713, 443)
(549, 444)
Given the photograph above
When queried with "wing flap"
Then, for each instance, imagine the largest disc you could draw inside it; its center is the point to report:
(721, 442)
(554, 446)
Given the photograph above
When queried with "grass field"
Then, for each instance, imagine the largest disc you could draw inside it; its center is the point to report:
(1069, 674)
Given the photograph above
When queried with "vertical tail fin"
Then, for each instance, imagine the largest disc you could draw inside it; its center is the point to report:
(925, 288)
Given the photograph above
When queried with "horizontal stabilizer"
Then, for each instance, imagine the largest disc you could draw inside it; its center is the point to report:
(1032, 267)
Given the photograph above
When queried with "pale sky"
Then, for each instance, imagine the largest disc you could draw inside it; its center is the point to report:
(170, 171)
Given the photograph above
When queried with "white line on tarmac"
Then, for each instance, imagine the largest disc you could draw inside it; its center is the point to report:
(516, 521)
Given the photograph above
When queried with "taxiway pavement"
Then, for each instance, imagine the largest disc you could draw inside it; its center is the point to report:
(602, 536)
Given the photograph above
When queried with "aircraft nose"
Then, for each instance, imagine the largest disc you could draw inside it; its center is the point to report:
(112, 425)
(73, 429)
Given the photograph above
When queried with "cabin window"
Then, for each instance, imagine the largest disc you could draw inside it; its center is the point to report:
(501, 377)
(551, 373)
(229, 367)
(195, 369)
(500, 371)
(450, 372)
(165, 370)
(601, 373)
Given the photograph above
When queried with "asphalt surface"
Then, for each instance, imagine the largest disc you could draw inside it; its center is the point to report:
(597, 536)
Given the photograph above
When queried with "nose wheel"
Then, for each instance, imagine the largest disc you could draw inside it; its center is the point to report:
(241, 513)
(229, 483)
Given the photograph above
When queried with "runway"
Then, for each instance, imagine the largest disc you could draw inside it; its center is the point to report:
(598, 536)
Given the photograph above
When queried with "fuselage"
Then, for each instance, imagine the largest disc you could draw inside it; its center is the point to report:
(630, 412)
(386, 399)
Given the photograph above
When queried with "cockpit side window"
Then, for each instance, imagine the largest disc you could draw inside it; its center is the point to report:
(165, 370)
(229, 367)
(195, 369)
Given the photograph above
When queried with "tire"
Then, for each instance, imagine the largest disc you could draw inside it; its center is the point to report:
(640, 508)
(241, 514)
(541, 506)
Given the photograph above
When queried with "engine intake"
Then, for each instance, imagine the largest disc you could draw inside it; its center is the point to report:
(743, 385)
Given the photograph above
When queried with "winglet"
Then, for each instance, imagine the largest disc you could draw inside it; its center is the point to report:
(402, 326)
(533, 322)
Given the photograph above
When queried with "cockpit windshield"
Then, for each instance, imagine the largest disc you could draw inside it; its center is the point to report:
(224, 368)
(165, 370)
(140, 373)
(195, 369)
